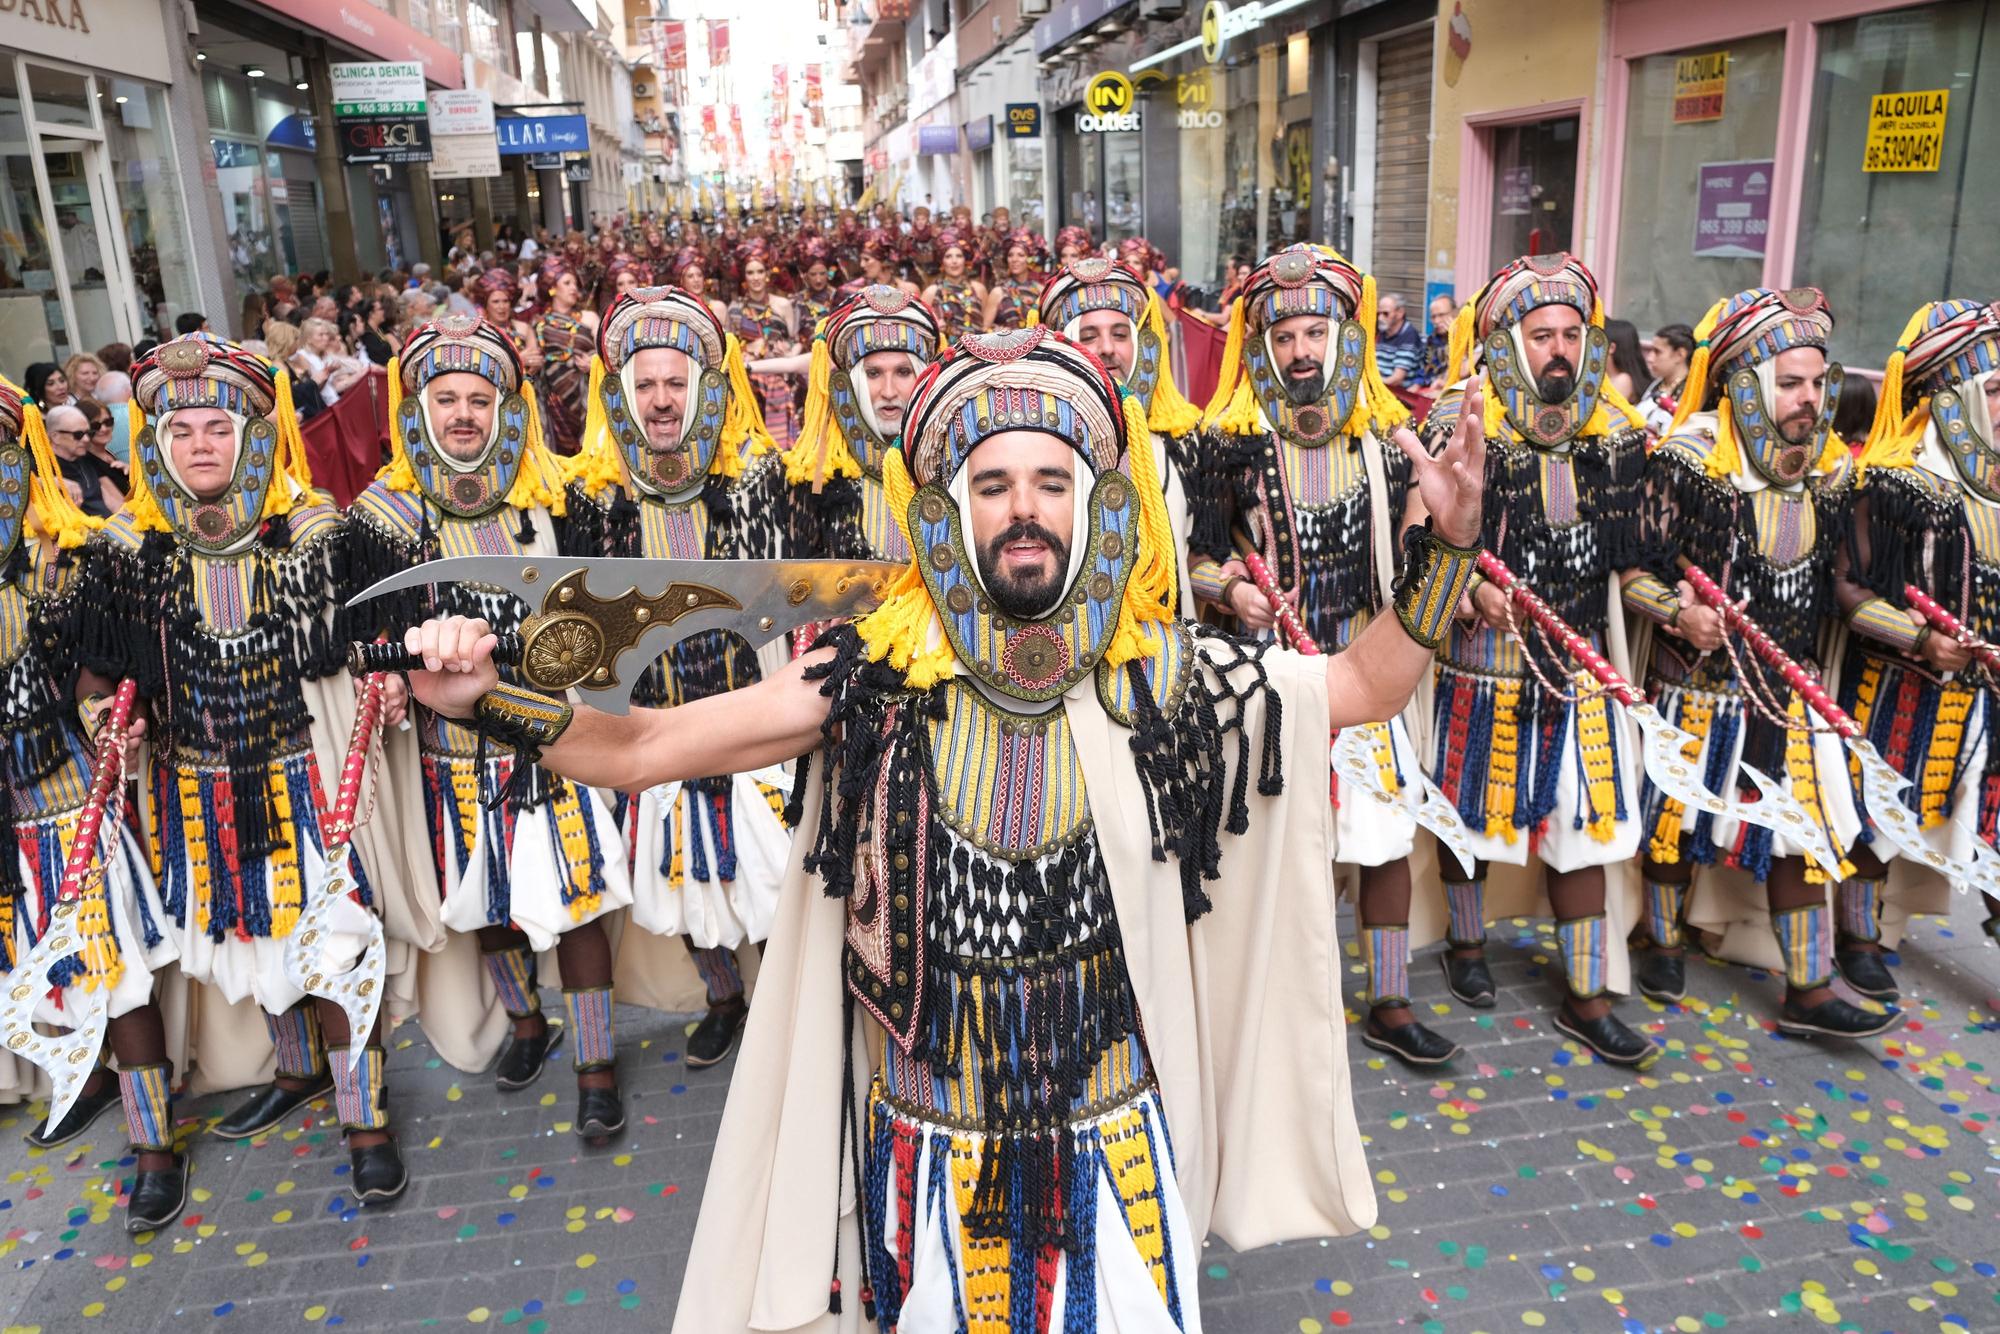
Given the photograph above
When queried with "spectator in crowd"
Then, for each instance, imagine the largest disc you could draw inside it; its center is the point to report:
(325, 308)
(190, 321)
(1399, 351)
(415, 309)
(457, 302)
(103, 426)
(1628, 365)
(281, 344)
(69, 437)
(47, 385)
(1437, 340)
(116, 357)
(531, 249)
(83, 372)
(257, 307)
(1668, 352)
(377, 319)
(142, 348)
(325, 361)
(114, 391)
(420, 275)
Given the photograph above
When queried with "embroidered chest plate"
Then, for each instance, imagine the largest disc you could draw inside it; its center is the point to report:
(1787, 525)
(1008, 782)
(673, 531)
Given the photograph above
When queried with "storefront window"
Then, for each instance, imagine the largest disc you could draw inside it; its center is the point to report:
(136, 128)
(1534, 188)
(1882, 242)
(31, 315)
(1123, 203)
(1706, 117)
(1024, 182)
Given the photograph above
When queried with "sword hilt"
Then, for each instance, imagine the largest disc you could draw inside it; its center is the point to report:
(1797, 677)
(104, 780)
(1560, 630)
(367, 659)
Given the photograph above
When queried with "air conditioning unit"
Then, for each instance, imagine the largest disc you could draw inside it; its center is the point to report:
(1030, 7)
(1162, 9)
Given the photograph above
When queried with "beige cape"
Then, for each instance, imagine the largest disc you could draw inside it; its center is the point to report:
(1242, 1015)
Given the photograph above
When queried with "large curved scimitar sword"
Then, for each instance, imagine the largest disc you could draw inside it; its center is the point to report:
(601, 620)
(1881, 786)
(330, 920)
(1664, 748)
(70, 1056)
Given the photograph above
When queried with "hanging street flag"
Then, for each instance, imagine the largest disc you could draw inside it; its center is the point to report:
(674, 45)
(718, 43)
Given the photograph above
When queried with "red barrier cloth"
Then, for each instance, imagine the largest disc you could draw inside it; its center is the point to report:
(346, 444)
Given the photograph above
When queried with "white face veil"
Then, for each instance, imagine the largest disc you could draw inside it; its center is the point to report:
(164, 431)
(864, 398)
(628, 376)
(1934, 458)
(445, 456)
(1083, 478)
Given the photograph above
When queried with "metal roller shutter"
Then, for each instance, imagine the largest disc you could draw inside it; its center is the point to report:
(302, 208)
(1402, 164)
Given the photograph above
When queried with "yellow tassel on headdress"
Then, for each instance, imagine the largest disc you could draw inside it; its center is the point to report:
(1155, 580)
(397, 474)
(1231, 385)
(1170, 412)
(743, 432)
(596, 466)
(291, 473)
(1895, 438)
(540, 480)
(1459, 341)
(905, 629)
(51, 512)
(821, 450)
(1722, 460)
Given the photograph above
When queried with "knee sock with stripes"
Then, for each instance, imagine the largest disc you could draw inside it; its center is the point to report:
(360, 1090)
(1860, 907)
(513, 972)
(592, 1045)
(148, 1121)
(1664, 903)
(1802, 939)
(1467, 902)
(295, 1036)
(1582, 942)
(1388, 963)
(719, 973)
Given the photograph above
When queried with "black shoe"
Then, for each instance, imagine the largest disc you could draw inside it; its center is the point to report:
(1410, 1043)
(85, 1110)
(378, 1175)
(157, 1198)
(268, 1107)
(600, 1113)
(1867, 973)
(1468, 979)
(715, 1035)
(1662, 974)
(1607, 1036)
(1991, 926)
(525, 1058)
(1834, 1018)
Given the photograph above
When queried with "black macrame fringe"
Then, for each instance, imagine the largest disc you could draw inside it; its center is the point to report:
(1191, 796)
(827, 526)
(1222, 485)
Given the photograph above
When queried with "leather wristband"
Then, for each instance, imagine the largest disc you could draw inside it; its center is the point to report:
(520, 719)
(1435, 576)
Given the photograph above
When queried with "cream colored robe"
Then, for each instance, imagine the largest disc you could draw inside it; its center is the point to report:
(1243, 1022)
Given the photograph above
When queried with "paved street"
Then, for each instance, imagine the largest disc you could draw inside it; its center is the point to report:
(1746, 1181)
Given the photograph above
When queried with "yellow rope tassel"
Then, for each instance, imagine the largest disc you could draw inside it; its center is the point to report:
(291, 473)
(1170, 412)
(596, 466)
(1136, 1178)
(285, 896)
(1503, 766)
(196, 833)
(97, 943)
(570, 827)
(1941, 762)
(1226, 383)
(540, 480)
(1894, 438)
(1600, 769)
(1804, 776)
(821, 450)
(1385, 757)
(744, 423)
(53, 514)
(464, 776)
(983, 1263)
(1697, 716)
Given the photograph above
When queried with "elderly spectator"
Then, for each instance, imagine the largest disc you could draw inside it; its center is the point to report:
(1437, 342)
(457, 302)
(326, 362)
(281, 345)
(69, 436)
(114, 391)
(1399, 351)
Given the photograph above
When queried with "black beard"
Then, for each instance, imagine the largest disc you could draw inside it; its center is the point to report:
(1023, 599)
(1308, 386)
(1557, 380)
(1797, 430)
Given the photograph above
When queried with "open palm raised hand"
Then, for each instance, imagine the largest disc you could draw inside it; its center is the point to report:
(1452, 483)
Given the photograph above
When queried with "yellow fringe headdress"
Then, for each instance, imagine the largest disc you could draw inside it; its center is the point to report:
(200, 370)
(1740, 331)
(726, 427)
(1098, 283)
(878, 318)
(1045, 383)
(1945, 342)
(465, 344)
(1301, 279)
(50, 511)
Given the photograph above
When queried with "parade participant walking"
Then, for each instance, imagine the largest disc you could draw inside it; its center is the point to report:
(1537, 761)
(565, 332)
(218, 588)
(45, 776)
(1926, 514)
(680, 467)
(1296, 465)
(1034, 960)
(1018, 285)
(816, 297)
(958, 298)
(767, 326)
(866, 362)
(498, 291)
(525, 860)
(1751, 485)
(1108, 309)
